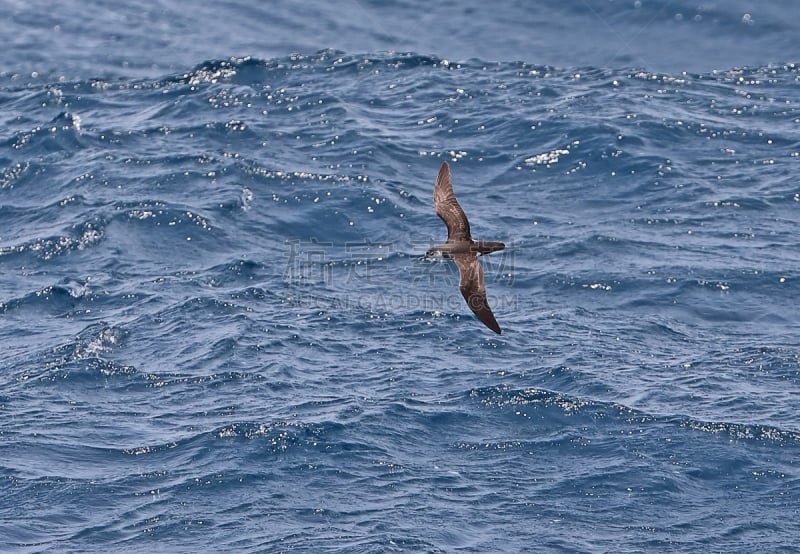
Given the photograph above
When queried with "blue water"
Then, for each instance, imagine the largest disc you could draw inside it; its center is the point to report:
(218, 335)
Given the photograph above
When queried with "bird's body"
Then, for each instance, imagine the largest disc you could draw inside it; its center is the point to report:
(462, 249)
(450, 249)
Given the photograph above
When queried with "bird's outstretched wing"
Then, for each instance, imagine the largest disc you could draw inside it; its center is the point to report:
(448, 208)
(473, 288)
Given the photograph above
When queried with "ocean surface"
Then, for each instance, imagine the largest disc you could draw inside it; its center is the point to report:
(218, 333)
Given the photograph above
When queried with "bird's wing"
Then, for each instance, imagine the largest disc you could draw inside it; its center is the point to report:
(448, 208)
(473, 288)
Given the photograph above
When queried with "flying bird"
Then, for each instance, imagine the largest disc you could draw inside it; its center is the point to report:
(462, 249)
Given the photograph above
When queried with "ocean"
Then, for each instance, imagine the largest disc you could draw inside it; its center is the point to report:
(220, 332)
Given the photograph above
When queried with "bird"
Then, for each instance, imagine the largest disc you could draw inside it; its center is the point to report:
(464, 251)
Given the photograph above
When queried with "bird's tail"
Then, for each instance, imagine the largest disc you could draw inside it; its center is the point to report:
(487, 247)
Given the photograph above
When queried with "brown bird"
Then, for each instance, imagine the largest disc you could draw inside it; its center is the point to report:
(462, 249)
